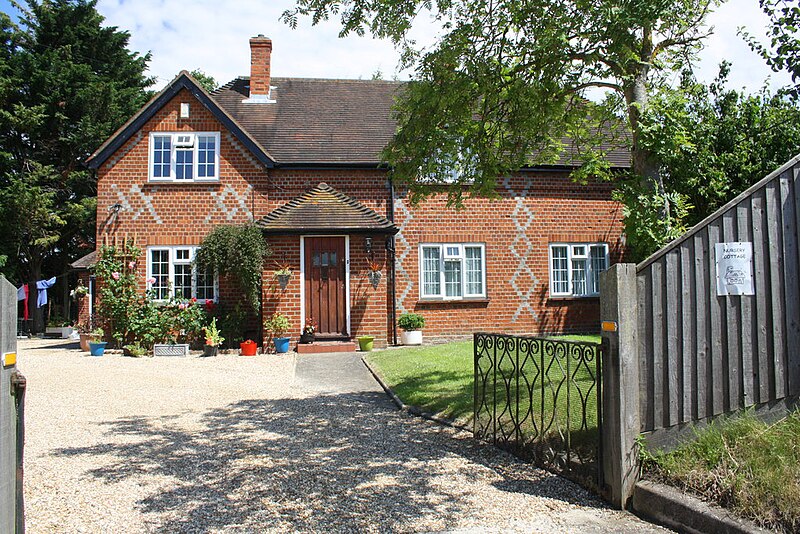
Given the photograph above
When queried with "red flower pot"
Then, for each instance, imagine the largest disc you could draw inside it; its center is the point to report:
(248, 348)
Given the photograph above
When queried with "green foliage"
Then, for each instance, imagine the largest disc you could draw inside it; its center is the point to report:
(134, 318)
(213, 336)
(278, 324)
(713, 143)
(240, 252)
(232, 324)
(66, 83)
(742, 463)
(411, 321)
(135, 350)
(783, 52)
(206, 81)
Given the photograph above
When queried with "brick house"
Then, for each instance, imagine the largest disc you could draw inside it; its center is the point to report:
(301, 158)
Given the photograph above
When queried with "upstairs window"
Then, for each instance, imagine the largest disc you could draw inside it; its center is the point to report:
(184, 157)
(452, 271)
(575, 268)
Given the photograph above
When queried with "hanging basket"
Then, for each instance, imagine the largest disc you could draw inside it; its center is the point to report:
(283, 280)
(374, 278)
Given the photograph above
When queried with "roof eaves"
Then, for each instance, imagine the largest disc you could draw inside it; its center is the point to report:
(184, 80)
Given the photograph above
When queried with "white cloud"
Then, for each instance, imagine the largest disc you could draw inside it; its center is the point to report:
(213, 35)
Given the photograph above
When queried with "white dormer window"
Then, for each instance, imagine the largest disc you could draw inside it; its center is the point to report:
(184, 157)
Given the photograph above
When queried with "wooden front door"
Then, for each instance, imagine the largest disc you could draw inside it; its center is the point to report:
(325, 289)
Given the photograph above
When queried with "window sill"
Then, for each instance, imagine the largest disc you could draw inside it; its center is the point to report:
(182, 182)
(468, 300)
(567, 298)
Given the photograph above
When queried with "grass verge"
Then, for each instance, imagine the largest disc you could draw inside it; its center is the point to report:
(439, 379)
(743, 464)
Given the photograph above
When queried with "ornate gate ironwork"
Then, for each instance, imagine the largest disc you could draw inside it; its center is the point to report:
(540, 399)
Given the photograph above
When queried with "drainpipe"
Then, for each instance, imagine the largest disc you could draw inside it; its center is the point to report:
(390, 251)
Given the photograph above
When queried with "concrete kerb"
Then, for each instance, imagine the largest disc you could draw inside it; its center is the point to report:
(413, 410)
(671, 507)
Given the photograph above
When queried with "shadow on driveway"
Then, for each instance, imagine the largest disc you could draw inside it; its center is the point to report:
(333, 462)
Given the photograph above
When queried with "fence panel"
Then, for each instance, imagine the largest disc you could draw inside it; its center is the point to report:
(539, 399)
(11, 518)
(703, 354)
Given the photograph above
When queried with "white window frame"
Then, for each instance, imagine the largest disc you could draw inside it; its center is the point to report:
(461, 256)
(588, 269)
(173, 260)
(174, 145)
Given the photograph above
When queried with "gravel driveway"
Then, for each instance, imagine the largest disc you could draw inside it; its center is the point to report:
(270, 443)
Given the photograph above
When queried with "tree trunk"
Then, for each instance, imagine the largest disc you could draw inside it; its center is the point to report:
(37, 314)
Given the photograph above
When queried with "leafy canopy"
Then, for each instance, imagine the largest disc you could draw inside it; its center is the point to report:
(66, 83)
(783, 52)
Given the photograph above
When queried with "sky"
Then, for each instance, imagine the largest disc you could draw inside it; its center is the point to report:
(213, 36)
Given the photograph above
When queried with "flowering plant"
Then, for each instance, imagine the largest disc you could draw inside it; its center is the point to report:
(374, 266)
(213, 336)
(79, 292)
(310, 326)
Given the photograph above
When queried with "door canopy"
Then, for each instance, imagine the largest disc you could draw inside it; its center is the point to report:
(324, 210)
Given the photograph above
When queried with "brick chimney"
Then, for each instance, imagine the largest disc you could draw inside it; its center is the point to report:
(260, 52)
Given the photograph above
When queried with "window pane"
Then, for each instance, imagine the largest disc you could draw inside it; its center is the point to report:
(578, 276)
(205, 284)
(159, 270)
(206, 156)
(184, 164)
(560, 270)
(474, 270)
(183, 280)
(161, 156)
(431, 285)
(598, 257)
(452, 278)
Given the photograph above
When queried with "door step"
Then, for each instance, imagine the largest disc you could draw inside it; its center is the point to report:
(320, 347)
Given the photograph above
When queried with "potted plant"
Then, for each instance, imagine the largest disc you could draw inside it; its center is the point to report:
(97, 346)
(60, 327)
(79, 292)
(412, 325)
(213, 339)
(365, 343)
(307, 336)
(134, 350)
(248, 348)
(282, 274)
(278, 325)
(374, 273)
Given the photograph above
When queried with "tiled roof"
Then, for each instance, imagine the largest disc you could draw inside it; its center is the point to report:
(318, 121)
(324, 210)
(85, 262)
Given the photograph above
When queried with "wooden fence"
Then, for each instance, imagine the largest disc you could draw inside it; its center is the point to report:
(702, 354)
(696, 331)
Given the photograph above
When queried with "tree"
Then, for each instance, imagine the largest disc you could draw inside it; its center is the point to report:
(205, 80)
(713, 143)
(66, 83)
(784, 50)
(522, 69)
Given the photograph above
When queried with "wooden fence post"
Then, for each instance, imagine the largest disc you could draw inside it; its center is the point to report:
(621, 425)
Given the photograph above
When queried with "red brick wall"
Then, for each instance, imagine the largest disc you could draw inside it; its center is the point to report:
(533, 210)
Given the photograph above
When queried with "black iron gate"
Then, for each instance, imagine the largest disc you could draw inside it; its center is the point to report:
(540, 399)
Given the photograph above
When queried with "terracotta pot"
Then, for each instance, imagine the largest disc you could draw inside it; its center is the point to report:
(85, 338)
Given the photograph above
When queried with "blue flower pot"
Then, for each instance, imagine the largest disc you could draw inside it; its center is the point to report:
(97, 348)
(281, 344)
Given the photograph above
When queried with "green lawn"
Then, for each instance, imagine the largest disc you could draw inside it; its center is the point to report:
(439, 379)
(744, 464)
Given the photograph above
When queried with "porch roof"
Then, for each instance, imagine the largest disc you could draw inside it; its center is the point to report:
(324, 210)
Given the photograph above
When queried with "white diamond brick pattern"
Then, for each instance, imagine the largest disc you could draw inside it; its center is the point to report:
(523, 281)
(228, 203)
(136, 194)
(401, 274)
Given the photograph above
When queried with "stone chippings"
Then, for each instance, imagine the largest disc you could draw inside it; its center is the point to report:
(233, 444)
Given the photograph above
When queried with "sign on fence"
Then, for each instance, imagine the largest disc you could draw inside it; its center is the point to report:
(734, 268)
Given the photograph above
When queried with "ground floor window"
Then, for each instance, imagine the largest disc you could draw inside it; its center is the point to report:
(171, 272)
(575, 268)
(452, 270)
